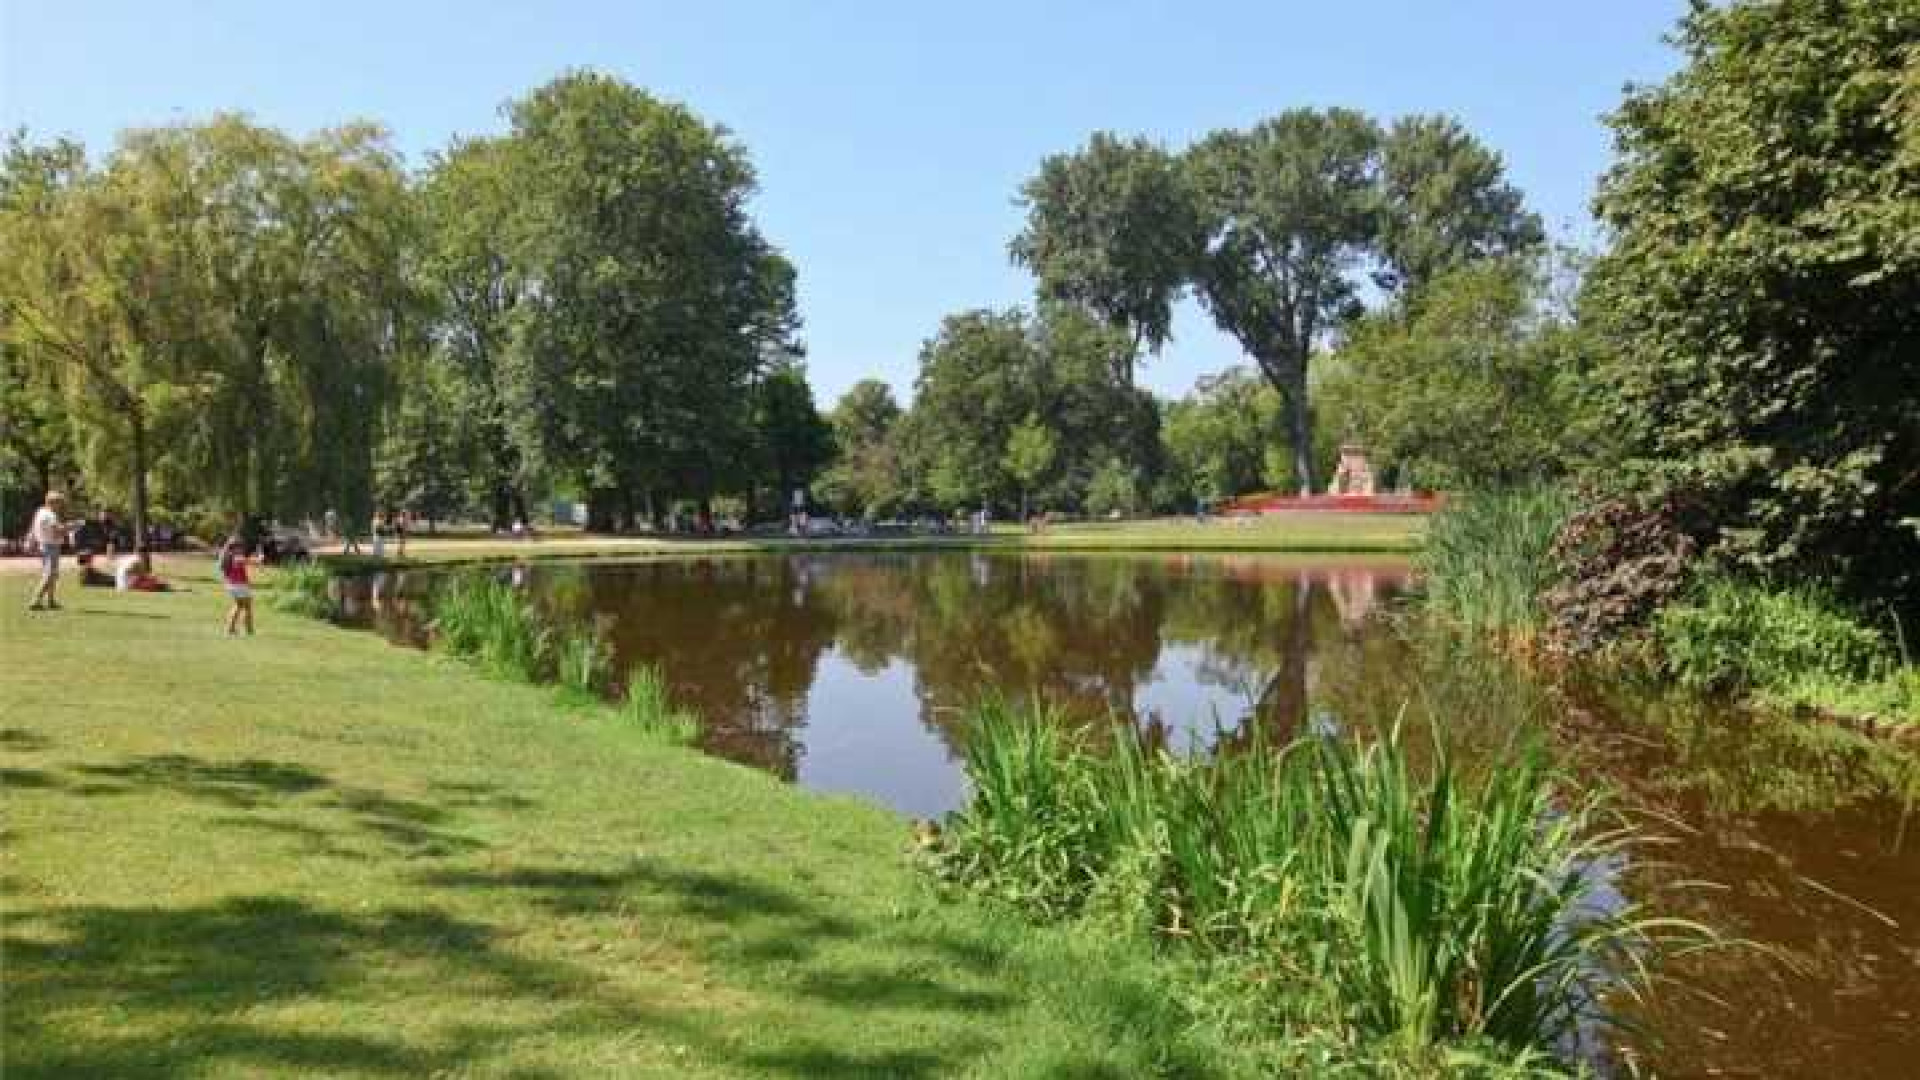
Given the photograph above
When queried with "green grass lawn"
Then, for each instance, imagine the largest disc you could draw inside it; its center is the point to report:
(311, 853)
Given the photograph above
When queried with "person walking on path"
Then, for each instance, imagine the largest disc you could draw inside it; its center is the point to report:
(233, 572)
(49, 533)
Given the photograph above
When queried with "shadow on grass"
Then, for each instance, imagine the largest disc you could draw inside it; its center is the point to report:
(255, 787)
(194, 989)
(270, 985)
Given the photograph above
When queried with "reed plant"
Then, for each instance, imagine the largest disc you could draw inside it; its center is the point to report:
(1488, 559)
(583, 663)
(476, 617)
(302, 589)
(1416, 908)
(648, 707)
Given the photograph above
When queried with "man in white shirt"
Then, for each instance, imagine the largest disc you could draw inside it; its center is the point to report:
(50, 534)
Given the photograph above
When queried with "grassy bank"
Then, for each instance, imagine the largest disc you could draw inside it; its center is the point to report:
(1301, 532)
(310, 853)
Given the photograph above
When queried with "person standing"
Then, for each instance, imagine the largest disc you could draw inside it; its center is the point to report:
(233, 573)
(49, 533)
(402, 522)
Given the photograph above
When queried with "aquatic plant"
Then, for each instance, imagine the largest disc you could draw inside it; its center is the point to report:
(583, 663)
(477, 617)
(302, 589)
(649, 708)
(1487, 559)
(1420, 909)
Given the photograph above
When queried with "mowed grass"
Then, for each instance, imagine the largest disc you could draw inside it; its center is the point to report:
(311, 853)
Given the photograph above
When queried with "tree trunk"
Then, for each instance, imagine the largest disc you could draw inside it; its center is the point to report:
(502, 508)
(599, 510)
(138, 444)
(1300, 429)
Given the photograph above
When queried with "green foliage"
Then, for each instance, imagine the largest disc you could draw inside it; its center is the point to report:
(1463, 383)
(649, 708)
(1219, 436)
(582, 662)
(1421, 912)
(1448, 201)
(1031, 451)
(1488, 559)
(867, 477)
(425, 455)
(1761, 283)
(1111, 228)
(218, 305)
(792, 442)
(1736, 636)
(1289, 208)
(303, 589)
(488, 621)
(988, 373)
(1115, 489)
(659, 303)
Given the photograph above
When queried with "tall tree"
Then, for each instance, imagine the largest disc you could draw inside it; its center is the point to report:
(471, 265)
(1447, 202)
(657, 299)
(867, 476)
(1031, 450)
(1290, 209)
(103, 286)
(1763, 281)
(792, 441)
(1468, 383)
(1111, 228)
(1218, 437)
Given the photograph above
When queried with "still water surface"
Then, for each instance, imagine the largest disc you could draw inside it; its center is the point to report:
(848, 673)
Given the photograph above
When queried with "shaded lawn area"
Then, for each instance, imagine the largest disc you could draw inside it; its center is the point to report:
(312, 853)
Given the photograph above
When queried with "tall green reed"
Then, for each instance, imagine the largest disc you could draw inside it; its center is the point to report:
(1417, 908)
(649, 708)
(583, 662)
(302, 589)
(1487, 558)
(477, 617)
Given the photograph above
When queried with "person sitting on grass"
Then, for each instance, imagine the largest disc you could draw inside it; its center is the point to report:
(233, 571)
(134, 573)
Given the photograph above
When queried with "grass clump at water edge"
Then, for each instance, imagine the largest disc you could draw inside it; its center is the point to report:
(1488, 559)
(1327, 891)
(649, 708)
(476, 617)
(302, 589)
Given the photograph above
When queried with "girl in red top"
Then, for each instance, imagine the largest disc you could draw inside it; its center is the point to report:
(233, 571)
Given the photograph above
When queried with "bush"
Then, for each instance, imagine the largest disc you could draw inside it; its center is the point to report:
(1486, 563)
(1617, 562)
(1733, 636)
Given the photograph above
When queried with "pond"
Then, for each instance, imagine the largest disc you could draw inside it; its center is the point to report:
(848, 673)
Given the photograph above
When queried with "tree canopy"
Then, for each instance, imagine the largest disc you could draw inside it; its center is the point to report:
(1762, 282)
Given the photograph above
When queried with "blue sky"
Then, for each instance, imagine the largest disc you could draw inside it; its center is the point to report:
(890, 138)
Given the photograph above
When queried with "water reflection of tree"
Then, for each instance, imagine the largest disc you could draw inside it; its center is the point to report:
(738, 640)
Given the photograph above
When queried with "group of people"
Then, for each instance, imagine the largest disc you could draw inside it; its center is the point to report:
(50, 533)
(396, 525)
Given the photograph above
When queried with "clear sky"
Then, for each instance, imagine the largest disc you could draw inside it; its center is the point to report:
(890, 137)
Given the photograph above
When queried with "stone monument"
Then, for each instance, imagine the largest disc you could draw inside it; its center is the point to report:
(1354, 474)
